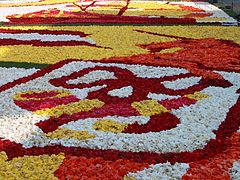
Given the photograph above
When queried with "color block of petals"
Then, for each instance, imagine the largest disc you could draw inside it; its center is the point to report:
(96, 168)
(35, 95)
(41, 94)
(29, 167)
(46, 103)
(71, 108)
(170, 50)
(177, 103)
(149, 107)
(67, 133)
(38, 95)
(157, 123)
(197, 96)
(109, 126)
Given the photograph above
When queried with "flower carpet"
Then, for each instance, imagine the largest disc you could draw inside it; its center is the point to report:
(119, 101)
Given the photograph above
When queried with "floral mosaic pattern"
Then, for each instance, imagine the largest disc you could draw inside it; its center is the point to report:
(123, 12)
(121, 118)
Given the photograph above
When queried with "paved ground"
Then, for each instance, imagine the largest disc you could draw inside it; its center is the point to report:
(233, 3)
(236, 6)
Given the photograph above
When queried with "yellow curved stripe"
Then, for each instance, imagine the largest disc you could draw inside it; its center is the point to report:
(18, 96)
(197, 96)
(170, 50)
(71, 108)
(149, 107)
(109, 126)
(67, 133)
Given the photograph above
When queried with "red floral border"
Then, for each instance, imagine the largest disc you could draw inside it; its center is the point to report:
(103, 19)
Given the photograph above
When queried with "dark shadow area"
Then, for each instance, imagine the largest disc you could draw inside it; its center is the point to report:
(22, 65)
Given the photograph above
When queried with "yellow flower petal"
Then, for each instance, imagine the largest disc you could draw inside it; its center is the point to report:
(30, 167)
(109, 126)
(170, 50)
(149, 107)
(71, 108)
(67, 133)
(197, 96)
(60, 93)
(128, 178)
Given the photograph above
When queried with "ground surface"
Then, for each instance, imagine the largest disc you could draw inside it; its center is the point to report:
(117, 90)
